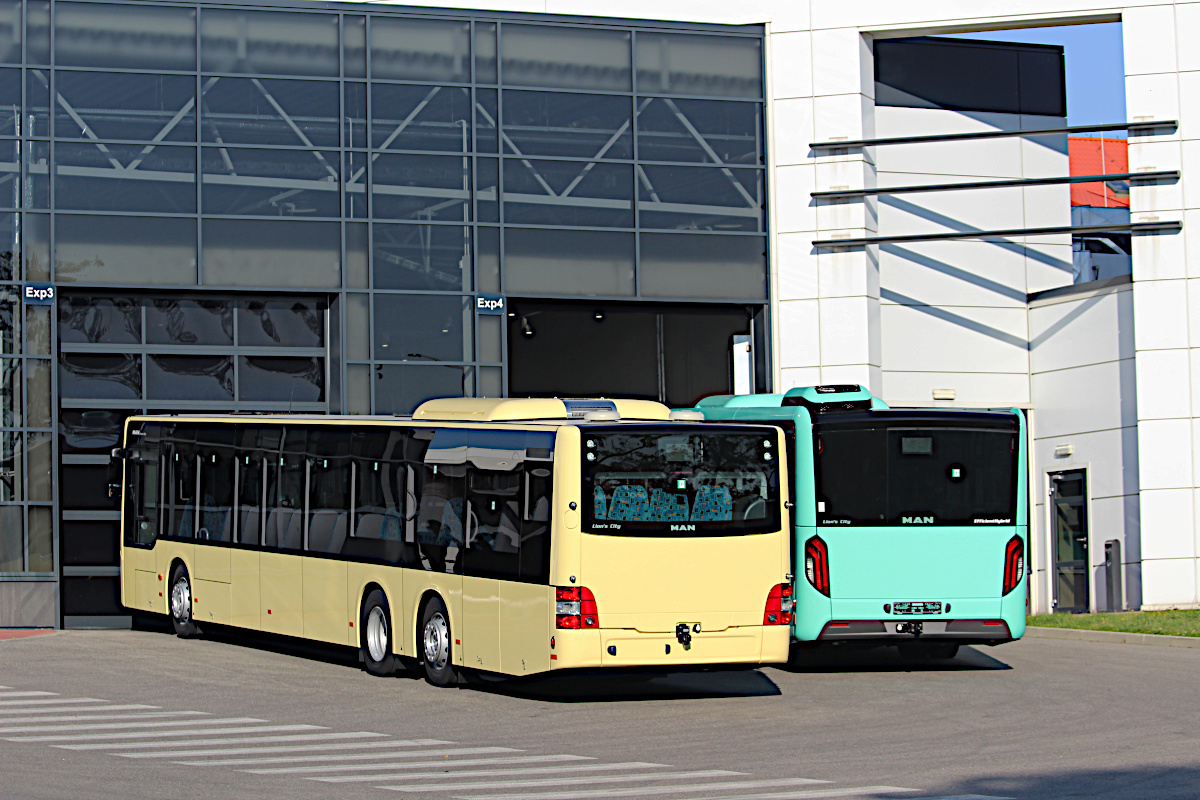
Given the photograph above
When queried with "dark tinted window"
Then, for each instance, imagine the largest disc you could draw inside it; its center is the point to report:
(438, 481)
(876, 475)
(285, 493)
(965, 75)
(215, 449)
(381, 495)
(181, 491)
(680, 481)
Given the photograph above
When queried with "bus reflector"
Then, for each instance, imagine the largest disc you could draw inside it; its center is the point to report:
(816, 564)
(575, 607)
(1014, 563)
(778, 610)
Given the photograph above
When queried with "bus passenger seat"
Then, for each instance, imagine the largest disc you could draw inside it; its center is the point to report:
(370, 526)
(599, 504)
(668, 507)
(338, 538)
(320, 530)
(713, 504)
(277, 521)
(451, 532)
(630, 503)
(248, 525)
(294, 538)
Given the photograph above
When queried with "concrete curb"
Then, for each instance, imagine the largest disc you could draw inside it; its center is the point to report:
(1113, 637)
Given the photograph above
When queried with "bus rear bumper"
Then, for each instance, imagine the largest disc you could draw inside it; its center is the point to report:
(622, 647)
(894, 631)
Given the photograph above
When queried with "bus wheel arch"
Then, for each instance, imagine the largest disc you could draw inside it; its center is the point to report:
(179, 600)
(435, 640)
(376, 634)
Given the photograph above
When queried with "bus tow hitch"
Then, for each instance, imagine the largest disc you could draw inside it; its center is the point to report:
(683, 633)
(914, 628)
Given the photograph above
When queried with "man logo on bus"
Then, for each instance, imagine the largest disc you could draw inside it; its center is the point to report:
(683, 527)
(916, 520)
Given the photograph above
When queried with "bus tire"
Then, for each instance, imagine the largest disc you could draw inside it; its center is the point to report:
(377, 635)
(436, 650)
(180, 603)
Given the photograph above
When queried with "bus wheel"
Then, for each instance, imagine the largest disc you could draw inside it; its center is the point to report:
(435, 643)
(924, 651)
(181, 603)
(377, 635)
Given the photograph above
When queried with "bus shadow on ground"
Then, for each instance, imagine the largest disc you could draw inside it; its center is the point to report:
(1139, 782)
(885, 659)
(629, 685)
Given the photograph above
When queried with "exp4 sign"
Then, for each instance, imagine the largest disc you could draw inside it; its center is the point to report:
(489, 304)
(41, 294)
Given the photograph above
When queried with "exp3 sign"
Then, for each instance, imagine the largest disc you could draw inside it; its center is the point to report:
(490, 304)
(39, 294)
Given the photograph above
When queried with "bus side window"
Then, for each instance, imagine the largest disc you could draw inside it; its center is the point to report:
(328, 489)
(250, 478)
(535, 526)
(142, 495)
(440, 475)
(181, 464)
(215, 448)
(285, 492)
(379, 477)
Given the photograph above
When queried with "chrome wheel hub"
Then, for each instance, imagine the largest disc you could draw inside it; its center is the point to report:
(181, 599)
(377, 634)
(437, 641)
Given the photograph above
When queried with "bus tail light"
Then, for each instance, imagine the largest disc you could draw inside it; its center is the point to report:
(1014, 563)
(575, 607)
(779, 605)
(816, 564)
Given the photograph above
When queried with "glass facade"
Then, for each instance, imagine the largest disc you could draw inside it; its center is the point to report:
(294, 208)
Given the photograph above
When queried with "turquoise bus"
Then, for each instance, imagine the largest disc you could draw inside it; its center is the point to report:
(910, 525)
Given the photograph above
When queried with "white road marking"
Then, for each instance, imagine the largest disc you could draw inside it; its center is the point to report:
(84, 710)
(552, 782)
(95, 737)
(308, 759)
(643, 790)
(446, 765)
(857, 791)
(9, 695)
(228, 751)
(445, 760)
(489, 773)
(89, 726)
(55, 702)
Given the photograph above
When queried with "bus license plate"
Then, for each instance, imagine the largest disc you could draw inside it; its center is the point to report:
(927, 607)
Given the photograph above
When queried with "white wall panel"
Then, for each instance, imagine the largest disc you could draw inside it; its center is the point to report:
(1187, 33)
(799, 333)
(1047, 263)
(1160, 256)
(1167, 524)
(797, 278)
(1110, 456)
(794, 207)
(995, 158)
(790, 378)
(841, 63)
(1149, 39)
(1160, 315)
(1189, 104)
(846, 331)
(847, 274)
(954, 273)
(863, 374)
(973, 390)
(1082, 399)
(1043, 156)
(844, 116)
(1081, 331)
(939, 339)
(1168, 583)
(1163, 384)
(1152, 96)
(792, 129)
(1164, 455)
(1146, 156)
(791, 65)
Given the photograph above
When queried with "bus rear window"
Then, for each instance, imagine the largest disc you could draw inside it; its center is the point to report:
(879, 475)
(680, 481)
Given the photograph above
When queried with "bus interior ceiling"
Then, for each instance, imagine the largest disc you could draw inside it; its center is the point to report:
(675, 354)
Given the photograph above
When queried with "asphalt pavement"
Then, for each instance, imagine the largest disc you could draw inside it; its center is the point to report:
(143, 714)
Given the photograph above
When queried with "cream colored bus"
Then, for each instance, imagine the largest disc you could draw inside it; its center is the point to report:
(508, 536)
